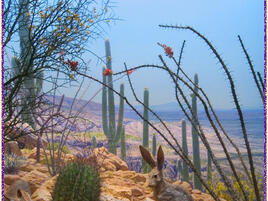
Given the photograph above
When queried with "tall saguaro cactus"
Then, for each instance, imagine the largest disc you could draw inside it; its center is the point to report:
(185, 170)
(196, 151)
(108, 110)
(32, 83)
(209, 169)
(154, 145)
(123, 144)
(145, 138)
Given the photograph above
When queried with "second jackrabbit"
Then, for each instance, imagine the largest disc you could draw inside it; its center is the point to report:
(163, 191)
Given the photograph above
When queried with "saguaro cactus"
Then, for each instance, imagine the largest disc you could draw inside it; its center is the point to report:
(94, 142)
(209, 169)
(185, 170)
(145, 138)
(32, 83)
(108, 118)
(154, 145)
(180, 170)
(123, 144)
(196, 151)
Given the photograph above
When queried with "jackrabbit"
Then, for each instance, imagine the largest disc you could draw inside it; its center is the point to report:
(18, 191)
(162, 190)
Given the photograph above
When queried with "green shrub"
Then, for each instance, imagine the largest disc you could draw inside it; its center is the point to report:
(77, 182)
(12, 163)
(65, 149)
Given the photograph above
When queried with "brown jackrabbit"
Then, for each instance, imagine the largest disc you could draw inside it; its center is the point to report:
(18, 191)
(162, 190)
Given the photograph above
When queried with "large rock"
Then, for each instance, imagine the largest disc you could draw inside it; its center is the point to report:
(23, 133)
(107, 161)
(12, 148)
(35, 179)
(66, 158)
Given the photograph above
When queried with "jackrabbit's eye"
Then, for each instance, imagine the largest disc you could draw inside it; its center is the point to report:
(155, 176)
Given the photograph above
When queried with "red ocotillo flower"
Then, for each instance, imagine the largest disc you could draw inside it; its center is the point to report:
(168, 50)
(107, 71)
(73, 65)
(130, 71)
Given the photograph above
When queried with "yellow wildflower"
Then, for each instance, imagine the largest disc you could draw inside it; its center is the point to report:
(28, 14)
(69, 18)
(69, 11)
(109, 58)
(42, 14)
(88, 32)
(59, 19)
(71, 76)
(107, 21)
(82, 24)
(58, 34)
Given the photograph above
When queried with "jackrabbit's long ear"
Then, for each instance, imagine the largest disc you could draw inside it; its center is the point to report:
(160, 158)
(147, 156)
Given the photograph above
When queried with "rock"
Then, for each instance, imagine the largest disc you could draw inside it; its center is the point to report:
(44, 193)
(30, 141)
(35, 179)
(105, 197)
(66, 157)
(195, 191)
(107, 161)
(31, 165)
(12, 148)
(136, 191)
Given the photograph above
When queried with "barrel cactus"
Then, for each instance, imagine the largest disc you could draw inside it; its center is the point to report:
(77, 182)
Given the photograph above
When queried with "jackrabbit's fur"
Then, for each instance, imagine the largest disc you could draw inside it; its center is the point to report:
(18, 191)
(163, 191)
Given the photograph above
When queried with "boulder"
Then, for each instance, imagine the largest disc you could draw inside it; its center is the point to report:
(12, 148)
(107, 161)
(35, 179)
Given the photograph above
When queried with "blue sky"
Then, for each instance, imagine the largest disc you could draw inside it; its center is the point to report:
(134, 41)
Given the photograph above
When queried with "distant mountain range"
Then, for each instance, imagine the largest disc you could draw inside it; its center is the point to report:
(91, 106)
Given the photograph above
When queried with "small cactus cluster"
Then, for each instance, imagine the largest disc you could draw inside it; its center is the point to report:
(112, 133)
(94, 142)
(123, 145)
(77, 182)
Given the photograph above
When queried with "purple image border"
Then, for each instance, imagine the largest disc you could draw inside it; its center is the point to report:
(2, 98)
(265, 100)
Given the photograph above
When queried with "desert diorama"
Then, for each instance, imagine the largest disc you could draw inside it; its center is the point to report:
(132, 100)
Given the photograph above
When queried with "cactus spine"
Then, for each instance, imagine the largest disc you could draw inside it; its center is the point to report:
(154, 145)
(145, 138)
(108, 111)
(94, 142)
(185, 170)
(196, 151)
(123, 145)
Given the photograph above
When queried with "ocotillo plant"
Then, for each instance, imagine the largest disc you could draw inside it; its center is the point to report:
(112, 134)
(154, 145)
(145, 137)
(195, 139)
(123, 144)
(185, 169)
(94, 142)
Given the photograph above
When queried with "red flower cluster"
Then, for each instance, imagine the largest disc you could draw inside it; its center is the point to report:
(107, 71)
(167, 49)
(130, 71)
(72, 64)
